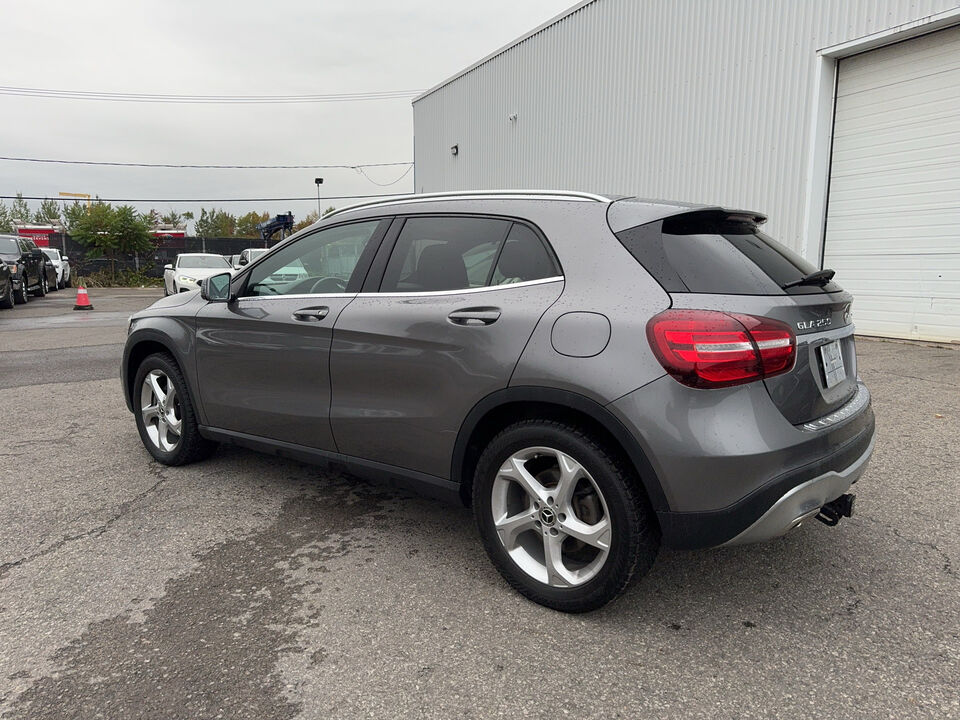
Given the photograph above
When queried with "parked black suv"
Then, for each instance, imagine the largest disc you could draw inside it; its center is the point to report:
(26, 263)
(6, 286)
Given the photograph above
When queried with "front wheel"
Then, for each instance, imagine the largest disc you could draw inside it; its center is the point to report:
(165, 415)
(21, 296)
(563, 519)
(7, 300)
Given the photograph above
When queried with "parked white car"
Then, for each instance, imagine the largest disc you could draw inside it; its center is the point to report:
(189, 269)
(249, 255)
(62, 265)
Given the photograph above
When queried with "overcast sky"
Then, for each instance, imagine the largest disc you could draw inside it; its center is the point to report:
(216, 47)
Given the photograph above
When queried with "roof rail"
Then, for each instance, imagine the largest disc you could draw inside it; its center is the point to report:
(467, 194)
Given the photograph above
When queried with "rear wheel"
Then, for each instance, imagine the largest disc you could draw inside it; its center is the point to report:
(564, 520)
(165, 413)
(41, 286)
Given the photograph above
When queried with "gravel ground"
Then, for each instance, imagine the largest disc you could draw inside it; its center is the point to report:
(252, 587)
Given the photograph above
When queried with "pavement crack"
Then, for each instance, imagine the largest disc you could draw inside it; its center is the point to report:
(122, 509)
(946, 562)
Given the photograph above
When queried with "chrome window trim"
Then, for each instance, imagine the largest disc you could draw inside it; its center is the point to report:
(465, 291)
(296, 296)
(433, 293)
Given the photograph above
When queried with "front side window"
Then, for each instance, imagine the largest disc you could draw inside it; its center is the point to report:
(460, 253)
(320, 263)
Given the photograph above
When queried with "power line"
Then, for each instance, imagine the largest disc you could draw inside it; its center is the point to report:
(387, 184)
(205, 99)
(357, 166)
(311, 198)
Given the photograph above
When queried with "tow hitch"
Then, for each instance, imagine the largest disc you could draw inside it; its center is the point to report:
(842, 507)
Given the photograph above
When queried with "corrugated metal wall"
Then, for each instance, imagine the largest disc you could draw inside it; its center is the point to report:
(679, 99)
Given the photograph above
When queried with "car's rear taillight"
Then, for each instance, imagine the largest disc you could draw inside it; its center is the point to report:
(710, 349)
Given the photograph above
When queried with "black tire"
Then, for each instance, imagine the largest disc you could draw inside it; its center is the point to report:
(192, 446)
(41, 290)
(7, 301)
(22, 296)
(635, 533)
(54, 287)
(68, 282)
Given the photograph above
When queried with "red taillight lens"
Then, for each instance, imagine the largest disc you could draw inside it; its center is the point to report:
(709, 349)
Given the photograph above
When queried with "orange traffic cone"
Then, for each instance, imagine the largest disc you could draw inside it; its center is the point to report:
(83, 302)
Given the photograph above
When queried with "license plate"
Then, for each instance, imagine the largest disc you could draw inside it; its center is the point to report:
(832, 359)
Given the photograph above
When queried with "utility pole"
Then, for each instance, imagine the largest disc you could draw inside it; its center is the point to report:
(319, 182)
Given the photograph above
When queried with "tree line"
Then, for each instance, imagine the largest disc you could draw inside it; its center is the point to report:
(212, 223)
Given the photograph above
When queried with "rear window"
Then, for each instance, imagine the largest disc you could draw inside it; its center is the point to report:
(715, 253)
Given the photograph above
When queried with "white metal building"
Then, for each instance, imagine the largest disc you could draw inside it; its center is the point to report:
(840, 119)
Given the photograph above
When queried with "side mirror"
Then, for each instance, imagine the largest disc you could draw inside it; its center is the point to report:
(64, 258)
(216, 288)
(168, 266)
(243, 261)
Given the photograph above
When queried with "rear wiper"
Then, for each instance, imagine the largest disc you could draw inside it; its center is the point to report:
(817, 277)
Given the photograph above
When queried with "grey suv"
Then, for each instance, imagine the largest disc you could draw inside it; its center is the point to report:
(596, 376)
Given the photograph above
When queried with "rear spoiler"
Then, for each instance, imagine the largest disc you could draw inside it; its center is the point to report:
(631, 212)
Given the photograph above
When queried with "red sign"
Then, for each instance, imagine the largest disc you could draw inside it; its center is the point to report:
(40, 235)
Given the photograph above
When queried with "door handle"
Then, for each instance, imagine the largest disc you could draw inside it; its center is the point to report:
(475, 316)
(313, 313)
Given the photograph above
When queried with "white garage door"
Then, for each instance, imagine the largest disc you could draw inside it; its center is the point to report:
(893, 217)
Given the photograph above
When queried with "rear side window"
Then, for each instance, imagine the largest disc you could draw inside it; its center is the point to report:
(714, 253)
(461, 253)
(523, 258)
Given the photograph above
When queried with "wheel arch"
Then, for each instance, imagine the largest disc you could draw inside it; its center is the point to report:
(509, 405)
(142, 344)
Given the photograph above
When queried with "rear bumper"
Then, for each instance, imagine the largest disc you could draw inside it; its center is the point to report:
(728, 460)
(803, 502)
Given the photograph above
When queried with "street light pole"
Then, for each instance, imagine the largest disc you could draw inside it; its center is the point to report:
(319, 182)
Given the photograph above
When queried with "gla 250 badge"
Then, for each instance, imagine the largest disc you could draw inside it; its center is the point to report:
(810, 324)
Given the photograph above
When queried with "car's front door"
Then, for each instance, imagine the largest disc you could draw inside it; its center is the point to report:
(32, 262)
(459, 298)
(263, 359)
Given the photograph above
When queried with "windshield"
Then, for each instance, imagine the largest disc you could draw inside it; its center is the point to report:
(202, 261)
(52, 254)
(9, 246)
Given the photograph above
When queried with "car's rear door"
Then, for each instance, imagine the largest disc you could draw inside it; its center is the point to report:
(444, 327)
(263, 359)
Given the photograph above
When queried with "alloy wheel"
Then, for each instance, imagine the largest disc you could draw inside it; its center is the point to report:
(160, 409)
(551, 517)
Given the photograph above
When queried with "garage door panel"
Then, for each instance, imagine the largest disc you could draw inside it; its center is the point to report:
(901, 62)
(935, 228)
(909, 153)
(889, 107)
(893, 215)
(910, 318)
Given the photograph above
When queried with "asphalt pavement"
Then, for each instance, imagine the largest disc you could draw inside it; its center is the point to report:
(248, 586)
